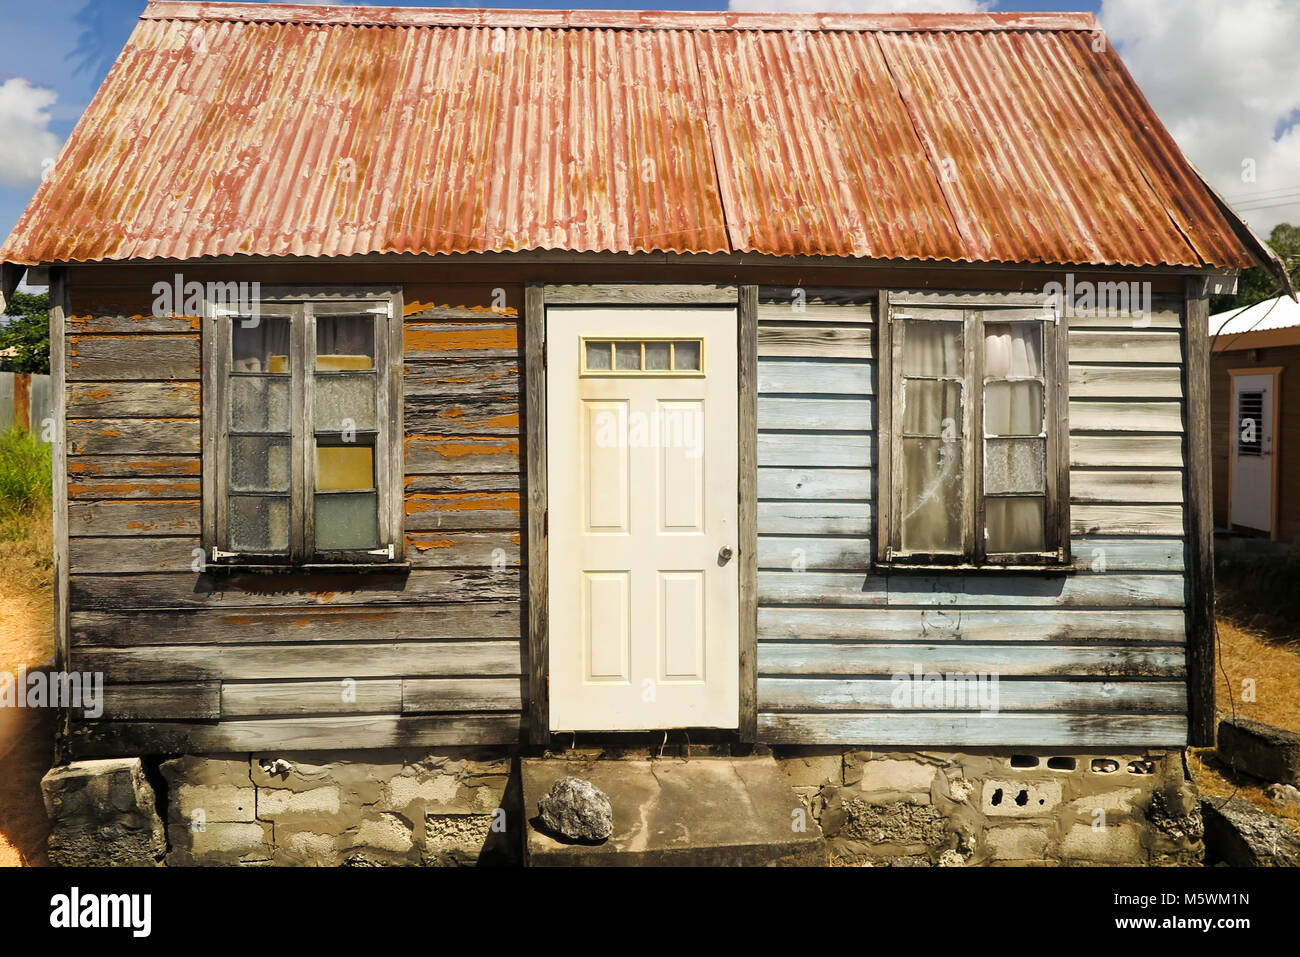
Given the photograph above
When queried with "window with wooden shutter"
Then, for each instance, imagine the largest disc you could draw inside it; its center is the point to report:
(976, 462)
(302, 431)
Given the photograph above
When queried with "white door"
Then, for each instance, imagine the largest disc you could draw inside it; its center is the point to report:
(642, 487)
(1252, 451)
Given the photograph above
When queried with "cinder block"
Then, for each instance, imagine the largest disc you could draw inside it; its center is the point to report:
(1019, 798)
(102, 814)
(1116, 843)
(1015, 843)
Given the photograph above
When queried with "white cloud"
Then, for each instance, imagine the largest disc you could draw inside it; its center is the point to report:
(863, 6)
(25, 138)
(1224, 78)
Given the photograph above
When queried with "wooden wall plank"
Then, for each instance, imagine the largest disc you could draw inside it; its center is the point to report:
(1200, 521)
(200, 700)
(170, 663)
(819, 484)
(122, 487)
(1097, 416)
(463, 549)
(343, 696)
(154, 357)
(440, 454)
(148, 400)
(132, 436)
(815, 415)
(794, 339)
(1114, 485)
(461, 694)
(463, 340)
(816, 449)
(467, 511)
(747, 452)
(1128, 346)
(814, 518)
(238, 590)
(347, 732)
(122, 556)
(1021, 660)
(878, 694)
(133, 466)
(1142, 451)
(812, 554)
(1063, 591)
(946, 730)
(136, 517)
(1164, 520)
(970, 625)
(469, 415)
(1125, 382)
(458, 377)
(254, 625)
(538, 596)
(814, 377)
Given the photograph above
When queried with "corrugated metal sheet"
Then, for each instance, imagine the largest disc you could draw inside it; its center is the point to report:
(271, 130)
(1277, 313)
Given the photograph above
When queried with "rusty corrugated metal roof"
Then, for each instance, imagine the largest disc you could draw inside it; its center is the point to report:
(286, 130)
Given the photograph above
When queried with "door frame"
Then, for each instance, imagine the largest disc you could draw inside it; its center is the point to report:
(1276, 373)
(537, 297)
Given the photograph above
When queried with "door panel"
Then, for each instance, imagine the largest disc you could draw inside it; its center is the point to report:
(1252, 451)
(642, 487)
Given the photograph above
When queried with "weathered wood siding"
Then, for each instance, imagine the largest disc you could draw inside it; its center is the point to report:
(200, 661)
(1089, 657)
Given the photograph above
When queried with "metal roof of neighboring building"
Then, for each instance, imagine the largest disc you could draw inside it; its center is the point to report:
(1281, 312)
(287, 130)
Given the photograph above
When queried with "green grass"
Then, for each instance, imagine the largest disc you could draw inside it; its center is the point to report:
(24, 481)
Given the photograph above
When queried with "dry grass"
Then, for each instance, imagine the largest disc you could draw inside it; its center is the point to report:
(1274, 667)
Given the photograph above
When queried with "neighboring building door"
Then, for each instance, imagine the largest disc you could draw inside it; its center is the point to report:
(1252, 450)
(642, 518)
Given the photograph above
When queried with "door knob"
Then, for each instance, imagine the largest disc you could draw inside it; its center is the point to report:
(724, 554)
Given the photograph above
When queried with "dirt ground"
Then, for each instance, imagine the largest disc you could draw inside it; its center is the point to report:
(1251, 665)
(26, 735)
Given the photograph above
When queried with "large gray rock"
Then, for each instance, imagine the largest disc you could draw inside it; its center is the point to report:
(102, 814)
(1241, 835)
(1260, 750)
(577, 810)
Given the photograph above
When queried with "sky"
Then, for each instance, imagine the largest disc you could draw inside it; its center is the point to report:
(1223, 75)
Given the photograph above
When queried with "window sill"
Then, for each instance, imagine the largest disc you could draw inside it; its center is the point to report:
(884, 568)
(310, 568)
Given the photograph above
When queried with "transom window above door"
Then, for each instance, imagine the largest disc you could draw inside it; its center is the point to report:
(976, 467)
(674, 357)
(302, 434)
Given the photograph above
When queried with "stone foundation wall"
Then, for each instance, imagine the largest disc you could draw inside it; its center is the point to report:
(376, 808)
(463, 807)
(930, 808)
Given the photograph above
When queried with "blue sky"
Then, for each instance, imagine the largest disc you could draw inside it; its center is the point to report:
(1223, 76)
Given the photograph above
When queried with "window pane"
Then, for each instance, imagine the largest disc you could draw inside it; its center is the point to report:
(1013, 408)
(598, 355)
(932, 348)
(347, 521)
(932, 408)
(932, 496)
(627, 356)
(259, 404)
(261, 347)
(1014, 525)
(1013, 349)
(344, 402)
(259, 524)
(345, 342)
(345, 467)
(1014, 465)
(686, 356)
(259, 464)
(656, 355)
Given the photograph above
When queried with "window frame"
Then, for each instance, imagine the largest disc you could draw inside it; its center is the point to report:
(300, 303)
(974, 310)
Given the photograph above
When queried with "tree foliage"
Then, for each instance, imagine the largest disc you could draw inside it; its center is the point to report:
(27, 331)
(1255, 285)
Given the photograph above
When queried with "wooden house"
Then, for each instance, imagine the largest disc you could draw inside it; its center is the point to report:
(1253, 405)
(605, 372)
